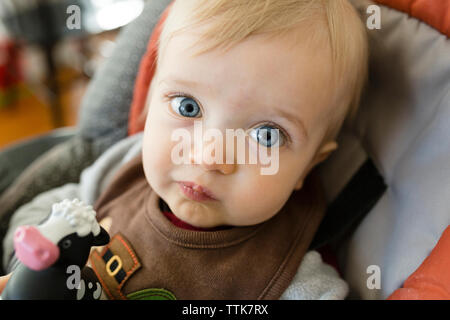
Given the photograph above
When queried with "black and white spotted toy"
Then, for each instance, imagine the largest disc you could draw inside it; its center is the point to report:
(51, 253)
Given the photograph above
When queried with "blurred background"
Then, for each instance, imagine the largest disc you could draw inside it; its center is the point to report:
(49, 51)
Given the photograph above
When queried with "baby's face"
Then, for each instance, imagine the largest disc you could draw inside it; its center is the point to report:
(259, 84)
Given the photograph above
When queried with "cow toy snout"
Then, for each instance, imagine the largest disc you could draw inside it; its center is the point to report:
(33, 249)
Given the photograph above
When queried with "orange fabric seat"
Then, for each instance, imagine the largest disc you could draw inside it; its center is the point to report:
(147, 68)
(431, 281)
(436, 13)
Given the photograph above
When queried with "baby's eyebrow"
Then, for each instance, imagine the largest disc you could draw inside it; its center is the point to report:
(187, 83)
(282, 113)
(295, 120)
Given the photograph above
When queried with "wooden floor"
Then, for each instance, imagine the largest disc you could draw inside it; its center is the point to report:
(31, 114)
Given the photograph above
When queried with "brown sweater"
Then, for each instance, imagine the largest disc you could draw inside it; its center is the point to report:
(148, 255)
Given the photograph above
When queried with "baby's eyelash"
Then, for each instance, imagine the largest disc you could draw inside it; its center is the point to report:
(179, 94)
(288, 137)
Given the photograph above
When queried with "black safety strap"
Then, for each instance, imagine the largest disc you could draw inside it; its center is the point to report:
(354, 202)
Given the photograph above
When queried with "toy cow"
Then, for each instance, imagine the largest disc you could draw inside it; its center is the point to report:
(51, 253)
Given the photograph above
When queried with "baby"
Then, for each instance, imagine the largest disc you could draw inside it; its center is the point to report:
(288, 74)
(295, 66)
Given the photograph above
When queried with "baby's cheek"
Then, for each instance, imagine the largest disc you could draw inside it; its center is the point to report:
(156, 157)
(259, 199)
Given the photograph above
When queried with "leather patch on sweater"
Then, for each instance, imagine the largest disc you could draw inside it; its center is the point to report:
(115, 265)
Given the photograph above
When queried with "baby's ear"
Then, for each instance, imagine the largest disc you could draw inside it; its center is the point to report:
(299, 184)
(322, 154)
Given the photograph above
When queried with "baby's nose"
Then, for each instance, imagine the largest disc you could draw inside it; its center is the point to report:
(211, 159)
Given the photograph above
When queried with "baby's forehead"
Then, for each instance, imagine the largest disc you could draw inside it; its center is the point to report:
(280, 52)
(269, 66)
(330, 27)
(290, 48)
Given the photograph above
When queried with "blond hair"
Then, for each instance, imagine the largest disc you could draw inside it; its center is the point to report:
(231, 21)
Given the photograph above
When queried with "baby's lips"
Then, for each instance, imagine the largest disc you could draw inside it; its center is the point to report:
(33, 249)
(198, 189)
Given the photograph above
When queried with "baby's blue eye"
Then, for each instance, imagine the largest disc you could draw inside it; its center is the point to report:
(186, 107)
(268, 136)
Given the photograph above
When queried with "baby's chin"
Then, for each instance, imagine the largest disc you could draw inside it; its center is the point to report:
(197, 214)
(201, 216)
